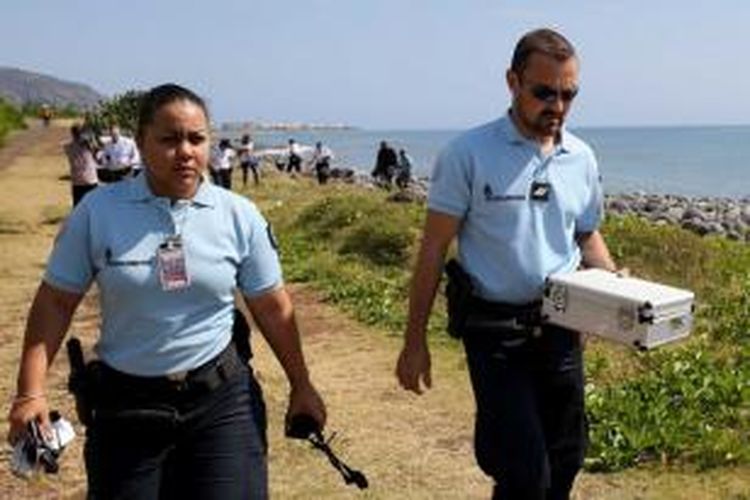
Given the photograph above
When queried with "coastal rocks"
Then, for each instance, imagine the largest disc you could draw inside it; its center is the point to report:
(725, 217)
(414, 192)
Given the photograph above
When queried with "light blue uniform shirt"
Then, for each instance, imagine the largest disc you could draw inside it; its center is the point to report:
(507, 241)
(112, 237)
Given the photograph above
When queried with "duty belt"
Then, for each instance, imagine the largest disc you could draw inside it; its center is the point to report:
(484, 314)
(202, 379)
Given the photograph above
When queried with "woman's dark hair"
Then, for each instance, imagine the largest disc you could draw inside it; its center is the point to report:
(543, 41)
(160, 96)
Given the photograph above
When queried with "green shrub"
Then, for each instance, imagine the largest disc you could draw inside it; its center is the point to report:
(386, 243)
(325, 219)
(689, 407)
(121, 110)
(11, 118)
(727, 317)
(364, 226)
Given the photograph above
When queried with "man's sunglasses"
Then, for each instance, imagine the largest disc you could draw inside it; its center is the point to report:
(550, 95)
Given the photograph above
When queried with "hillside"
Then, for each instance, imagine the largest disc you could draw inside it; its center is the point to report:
(26, 87)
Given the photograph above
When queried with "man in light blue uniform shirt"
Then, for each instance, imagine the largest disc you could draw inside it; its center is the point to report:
(524, 199)
(222, 236)
(510, 242)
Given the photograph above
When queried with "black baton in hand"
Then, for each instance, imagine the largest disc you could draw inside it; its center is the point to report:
(305, 427)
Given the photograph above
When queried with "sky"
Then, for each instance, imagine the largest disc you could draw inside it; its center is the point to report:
(393, 64)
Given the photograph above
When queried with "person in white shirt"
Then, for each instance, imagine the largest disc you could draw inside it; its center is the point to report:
(120, 155)
(248, 159)
(222, 161)
(321, 162)
(294, 161)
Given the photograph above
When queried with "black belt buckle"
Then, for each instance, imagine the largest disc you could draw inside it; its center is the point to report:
(510, 317)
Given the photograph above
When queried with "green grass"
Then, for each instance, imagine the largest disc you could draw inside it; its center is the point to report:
(683, 404)
(11, 118)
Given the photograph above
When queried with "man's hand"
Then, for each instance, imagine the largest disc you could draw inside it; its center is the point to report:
(413, 367)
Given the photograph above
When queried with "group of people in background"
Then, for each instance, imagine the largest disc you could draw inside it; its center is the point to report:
(390, 166)
(224, 156)
(94, 160)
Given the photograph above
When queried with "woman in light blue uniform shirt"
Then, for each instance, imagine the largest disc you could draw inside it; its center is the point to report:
(176, 411)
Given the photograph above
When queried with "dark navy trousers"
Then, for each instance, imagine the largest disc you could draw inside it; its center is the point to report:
(530, 431)
(208, 447)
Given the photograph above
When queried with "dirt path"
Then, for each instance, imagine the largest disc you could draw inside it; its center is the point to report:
(409, 447)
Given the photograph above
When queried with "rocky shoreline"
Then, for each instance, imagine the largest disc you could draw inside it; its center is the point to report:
(706, 216)
(727, 217)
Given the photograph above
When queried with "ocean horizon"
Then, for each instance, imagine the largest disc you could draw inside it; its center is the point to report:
(683, 160)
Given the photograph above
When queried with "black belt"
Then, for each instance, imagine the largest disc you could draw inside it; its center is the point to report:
(205, 378)
(488, 314)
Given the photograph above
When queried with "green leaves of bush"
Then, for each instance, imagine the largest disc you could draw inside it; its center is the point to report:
(689, 408)
(11, 118)
(362, 226)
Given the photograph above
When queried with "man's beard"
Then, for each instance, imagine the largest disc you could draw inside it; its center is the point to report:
(547, 124)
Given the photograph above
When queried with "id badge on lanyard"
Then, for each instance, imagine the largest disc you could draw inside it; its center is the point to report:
(173, 273)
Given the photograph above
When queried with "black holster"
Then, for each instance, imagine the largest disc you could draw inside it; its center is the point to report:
(470, 314)
(459, 292)
(241, 336)
(79, 381)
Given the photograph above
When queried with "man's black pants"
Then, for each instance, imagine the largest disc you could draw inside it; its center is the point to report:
(530, 433)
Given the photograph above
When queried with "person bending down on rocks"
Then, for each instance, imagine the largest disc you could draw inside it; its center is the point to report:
(403, 178)
(385, 165)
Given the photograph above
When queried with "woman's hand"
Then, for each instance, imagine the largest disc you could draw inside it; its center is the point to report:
(24, 411)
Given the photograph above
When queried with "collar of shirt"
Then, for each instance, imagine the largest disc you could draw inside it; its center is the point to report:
(141, 191)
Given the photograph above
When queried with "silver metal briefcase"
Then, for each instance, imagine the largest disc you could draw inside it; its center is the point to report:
(629, 310)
